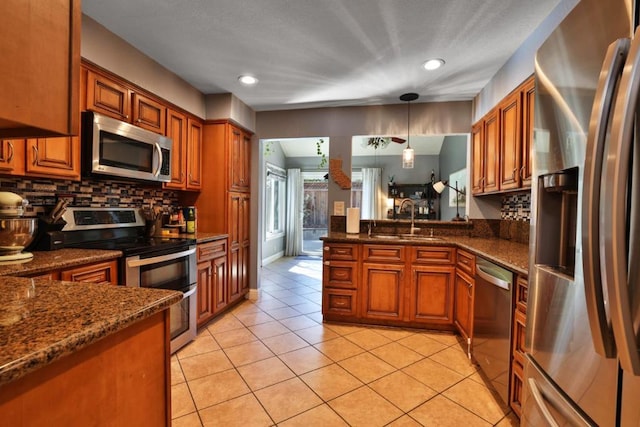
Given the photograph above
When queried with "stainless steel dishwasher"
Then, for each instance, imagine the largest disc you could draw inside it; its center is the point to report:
(492, 311)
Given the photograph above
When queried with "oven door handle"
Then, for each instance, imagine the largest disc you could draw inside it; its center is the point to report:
(189, 293)
(157, 259)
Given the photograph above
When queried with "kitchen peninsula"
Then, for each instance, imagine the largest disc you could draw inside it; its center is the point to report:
(82, 353)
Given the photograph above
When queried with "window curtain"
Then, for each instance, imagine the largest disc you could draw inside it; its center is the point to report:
(373, 200)
(293, 228)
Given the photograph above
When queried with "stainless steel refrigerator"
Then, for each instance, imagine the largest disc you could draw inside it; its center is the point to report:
(583, 366)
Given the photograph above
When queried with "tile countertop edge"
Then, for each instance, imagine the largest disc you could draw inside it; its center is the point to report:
(36, 358)
(480, 246)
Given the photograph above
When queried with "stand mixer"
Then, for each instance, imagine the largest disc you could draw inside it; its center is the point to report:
(15, 232)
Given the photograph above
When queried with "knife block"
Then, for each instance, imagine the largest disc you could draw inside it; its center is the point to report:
(49, 236)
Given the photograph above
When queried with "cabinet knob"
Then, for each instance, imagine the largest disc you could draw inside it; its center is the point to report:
(10, 157)
(326, 248)
(522, 172)
(327, 263)
(35, 154)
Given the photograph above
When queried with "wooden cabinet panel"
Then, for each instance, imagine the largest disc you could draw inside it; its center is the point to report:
(491, 152)
(53, 157)
(432, 255)
(463, 306)
(240, 160)
(103, 273)
(517, 341)
(339, 302)
(39, 77)
(383, 253)
(177, 131)
(107, 97)
(477, 157)
(515, 390)
(204, 304)
(149, 114)
(431, 294)
(210, 250)
(340, 274)
(194, 158)
(528, 109)
(522, 289)
(510, 141)
(220, 289)
(466, 262)
(235, 287)
(12, 156)
(383, 291)
(340, 251)
(213, 286)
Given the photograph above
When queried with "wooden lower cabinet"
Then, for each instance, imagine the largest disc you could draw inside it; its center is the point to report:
(383, 291)
(102, 273)
(463, 307)
(518, 349)
(431, 294)
(213, 286)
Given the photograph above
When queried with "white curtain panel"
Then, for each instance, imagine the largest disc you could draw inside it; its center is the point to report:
(293, 228)
(373, 200)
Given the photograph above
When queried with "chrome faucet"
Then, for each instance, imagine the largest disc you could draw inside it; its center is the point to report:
(413, 208)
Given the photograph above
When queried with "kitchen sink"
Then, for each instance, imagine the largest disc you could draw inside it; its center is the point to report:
(386, 236)
(407, 236)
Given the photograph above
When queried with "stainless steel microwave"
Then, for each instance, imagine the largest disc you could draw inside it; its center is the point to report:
(112, 147)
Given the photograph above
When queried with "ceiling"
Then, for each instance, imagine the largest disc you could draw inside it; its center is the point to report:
(321, 53)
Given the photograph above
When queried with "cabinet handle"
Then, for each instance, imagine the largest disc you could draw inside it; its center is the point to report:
(513, 175)
(469, 287)
(522, 172)
(10, 152)
(35, 154)
(326, 248)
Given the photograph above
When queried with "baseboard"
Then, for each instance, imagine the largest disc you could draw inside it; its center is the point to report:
(272, 258)
(253, 294)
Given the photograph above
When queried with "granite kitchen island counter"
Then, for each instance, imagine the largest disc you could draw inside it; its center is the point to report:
(45, 261)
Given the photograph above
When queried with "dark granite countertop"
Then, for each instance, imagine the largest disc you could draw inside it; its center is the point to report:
(45, 261)
(41, 320)
(511, 255)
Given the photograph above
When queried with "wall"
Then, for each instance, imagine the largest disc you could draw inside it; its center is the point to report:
(228, 106)
(272, 248)
(104, 48)
(392, 165)
(452, 159)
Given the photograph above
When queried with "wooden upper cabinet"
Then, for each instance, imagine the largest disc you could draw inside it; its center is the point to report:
(510, 141)
(528, 108)
(477, 157)
(39, 77)
(177, 131)
(149, 114)
(53, 157)
(491, 152)
(12, 156)
(108, 97)
(194, 157)
(240, 160)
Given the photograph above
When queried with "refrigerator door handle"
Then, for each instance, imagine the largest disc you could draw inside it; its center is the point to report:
(620, 285)
(540, 403)
(601, 332)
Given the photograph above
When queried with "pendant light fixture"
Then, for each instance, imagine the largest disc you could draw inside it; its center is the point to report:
(408, 155)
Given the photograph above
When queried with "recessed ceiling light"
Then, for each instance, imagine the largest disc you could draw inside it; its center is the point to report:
(433, 64)
(248, 80)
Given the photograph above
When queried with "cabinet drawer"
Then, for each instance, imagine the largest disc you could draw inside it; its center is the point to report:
(383, 253)
(466, 262)
(522, 289)
(339, 301)
(519, 330)
(340, 274)
(210, 250)
(343, 251)
(103, 272)
(432, 255)
(515, 395)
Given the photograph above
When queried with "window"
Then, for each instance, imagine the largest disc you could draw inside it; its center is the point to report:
(275, 201)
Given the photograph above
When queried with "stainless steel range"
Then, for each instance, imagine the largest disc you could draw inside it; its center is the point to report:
(148, 262)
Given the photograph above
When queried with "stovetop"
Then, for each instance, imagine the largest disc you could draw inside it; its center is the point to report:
(138, 245)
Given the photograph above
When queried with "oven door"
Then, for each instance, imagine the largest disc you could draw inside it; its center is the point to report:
(175, 271)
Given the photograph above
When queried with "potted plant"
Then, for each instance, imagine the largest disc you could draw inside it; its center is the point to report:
(391, 183)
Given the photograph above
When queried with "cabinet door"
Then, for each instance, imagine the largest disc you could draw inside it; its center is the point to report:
(194, 160)
(431, 294)
(463, 309)
(220, 286)
(235, 270)
(240, 160)
(54, 157)
(12, 160)
(383, 293)
(108, 97)
(102, 273)
(510, 141)
(491, 152)
(340, 274)
(245, 230)
(477, 157)
(235, 226)
(528, 108)
(177, 131)
(39, 77)
(149, 114)
(205, 292)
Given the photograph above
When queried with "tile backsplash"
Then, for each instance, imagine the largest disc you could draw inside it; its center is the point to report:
(516, 207)
(90, 193)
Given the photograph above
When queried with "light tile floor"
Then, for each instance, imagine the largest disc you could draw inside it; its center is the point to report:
(273, 362)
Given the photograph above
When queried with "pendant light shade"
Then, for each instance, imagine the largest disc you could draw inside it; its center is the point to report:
(408, 155)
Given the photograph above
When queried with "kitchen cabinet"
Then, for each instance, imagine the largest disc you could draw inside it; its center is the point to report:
(186, 162)
(383, 273)
(193, 158)
(213, 288)
(486, 154)
(464, 292)
(432, 285)
(518, 344)
(528, 90)
(101, 273)
(510, 111)
(53, 157)
(39, 79)
(108, 97)
(239, 163)
(238, 245)
(12, 157)
(340, 274)
(149, 114)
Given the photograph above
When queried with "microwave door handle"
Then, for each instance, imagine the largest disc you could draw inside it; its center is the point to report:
(157, 259)
(614, 235)
(160, 159)
(601, 332)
